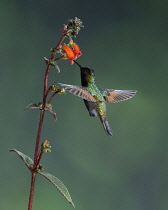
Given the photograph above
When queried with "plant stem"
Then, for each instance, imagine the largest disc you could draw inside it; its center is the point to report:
(37, 157)
(33, 179)
(54, 94)
(46, 84)
(59, 43)
(38, 138)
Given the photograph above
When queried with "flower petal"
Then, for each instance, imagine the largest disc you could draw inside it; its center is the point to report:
(76, 50)
(69, 52)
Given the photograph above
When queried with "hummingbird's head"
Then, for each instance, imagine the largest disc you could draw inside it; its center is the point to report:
(85, 71)
(87, 75)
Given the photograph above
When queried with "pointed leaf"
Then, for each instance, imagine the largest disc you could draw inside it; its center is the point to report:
(32, 106)
(27, 160)
(58, 184)
(58, 69)
(53, 113)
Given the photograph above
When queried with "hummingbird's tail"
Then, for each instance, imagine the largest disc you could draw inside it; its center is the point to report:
(106, 125)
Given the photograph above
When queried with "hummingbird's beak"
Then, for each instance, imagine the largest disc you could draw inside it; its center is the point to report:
(77, 64)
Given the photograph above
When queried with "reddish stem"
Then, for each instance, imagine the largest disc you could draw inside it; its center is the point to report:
(59, 58)
(46, 83)
(49, 101)
(59, 43)
(33, 179)
(38, 138)
(37, 157)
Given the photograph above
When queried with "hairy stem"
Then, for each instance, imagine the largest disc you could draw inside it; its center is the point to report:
(58, 45)
(54, 94)
(46, 84)
(37, 157)
(38, 138)
(33, 179)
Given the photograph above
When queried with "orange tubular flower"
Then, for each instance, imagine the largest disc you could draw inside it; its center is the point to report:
(76, 50)
(69, 53)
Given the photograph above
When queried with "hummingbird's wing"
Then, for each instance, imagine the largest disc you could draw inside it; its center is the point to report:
(78, 91)
(114, 96)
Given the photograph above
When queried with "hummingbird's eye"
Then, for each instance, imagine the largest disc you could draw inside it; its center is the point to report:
(85, 71)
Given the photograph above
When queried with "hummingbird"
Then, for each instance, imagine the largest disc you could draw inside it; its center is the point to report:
(95, 98)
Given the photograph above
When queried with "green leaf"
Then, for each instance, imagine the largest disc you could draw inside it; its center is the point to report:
(39, 106)
(57, 68)
(58, 184)
(53, 113)
(32, 106)
(54, 180)
(27, 160)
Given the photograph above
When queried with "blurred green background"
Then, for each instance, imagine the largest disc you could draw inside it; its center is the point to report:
(126, 43)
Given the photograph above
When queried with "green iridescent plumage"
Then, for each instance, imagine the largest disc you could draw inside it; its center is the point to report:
(94, 98)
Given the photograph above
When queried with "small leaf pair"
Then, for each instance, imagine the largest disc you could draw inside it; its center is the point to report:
(54, 180)
(39, 106)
